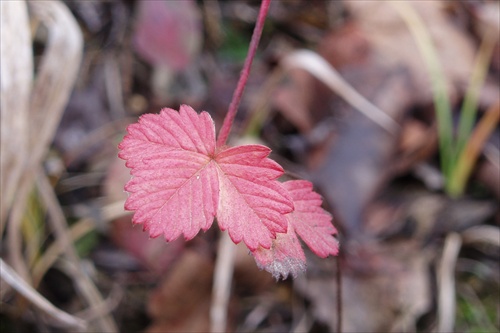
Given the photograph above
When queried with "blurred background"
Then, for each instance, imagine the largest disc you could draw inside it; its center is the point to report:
(390, 108)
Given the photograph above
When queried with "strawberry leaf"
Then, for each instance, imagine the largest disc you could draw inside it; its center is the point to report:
(181, 181)
(310, 222)
(252, 204)
(174, 189)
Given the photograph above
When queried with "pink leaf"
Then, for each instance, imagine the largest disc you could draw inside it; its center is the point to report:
(168, 32)
(252, 204)
(310, 222)
(174, 189)
(181, 181)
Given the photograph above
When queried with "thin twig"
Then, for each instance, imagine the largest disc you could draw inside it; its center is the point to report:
(323, 71)
(17, 282)
(257, 315)
(110, 303)
(49, 257)
(14, 241)
(338, 279)
(223, 276)
(487, 234)
(446, 283)
(58, 223)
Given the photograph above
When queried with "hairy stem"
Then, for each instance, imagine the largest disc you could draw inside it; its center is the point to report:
(238, 92)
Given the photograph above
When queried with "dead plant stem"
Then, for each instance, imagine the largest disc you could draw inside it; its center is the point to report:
(223, 276)
(338, 280)
(17, 282)
(446, 283)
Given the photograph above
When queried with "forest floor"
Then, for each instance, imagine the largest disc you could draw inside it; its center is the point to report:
(392, 113)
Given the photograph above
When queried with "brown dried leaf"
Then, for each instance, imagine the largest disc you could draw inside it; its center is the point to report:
(389, 297)
(182, 302)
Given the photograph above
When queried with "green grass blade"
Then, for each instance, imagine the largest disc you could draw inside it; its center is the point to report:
(469, 106)
(438, 82)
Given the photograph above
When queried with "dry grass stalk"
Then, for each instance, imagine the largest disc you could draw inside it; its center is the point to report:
(42, 102)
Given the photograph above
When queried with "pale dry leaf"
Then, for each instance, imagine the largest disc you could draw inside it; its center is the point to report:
(16, 70)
